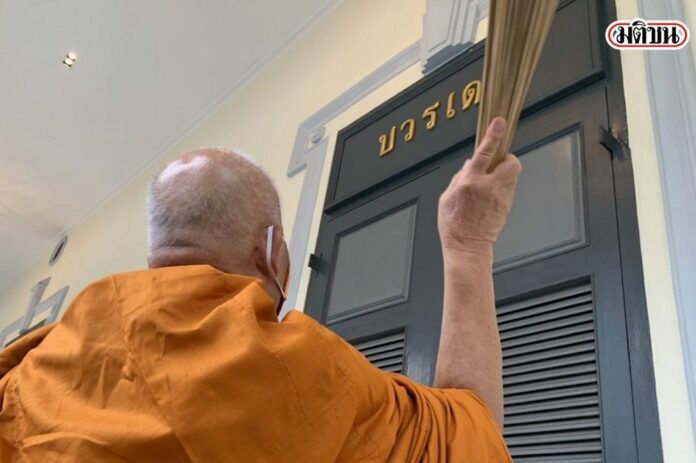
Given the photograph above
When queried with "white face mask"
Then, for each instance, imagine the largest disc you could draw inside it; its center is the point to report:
(269, 265)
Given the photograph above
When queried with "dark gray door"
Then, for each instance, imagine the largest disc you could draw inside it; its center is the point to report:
(558, 264)
(557, 278)
(559, 295)
(382, 276)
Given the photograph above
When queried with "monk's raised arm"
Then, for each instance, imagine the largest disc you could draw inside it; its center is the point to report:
(472, 212)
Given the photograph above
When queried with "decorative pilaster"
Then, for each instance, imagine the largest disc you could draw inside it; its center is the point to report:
(449, 28)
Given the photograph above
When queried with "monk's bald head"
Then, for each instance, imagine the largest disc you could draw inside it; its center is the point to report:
(210, 202)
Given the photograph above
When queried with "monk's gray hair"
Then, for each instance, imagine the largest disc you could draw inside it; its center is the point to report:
(210, 198)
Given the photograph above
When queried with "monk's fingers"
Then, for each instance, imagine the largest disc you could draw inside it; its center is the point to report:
(508, 171)
(484, 154)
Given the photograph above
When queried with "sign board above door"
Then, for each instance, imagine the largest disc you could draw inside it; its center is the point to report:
(438, 113)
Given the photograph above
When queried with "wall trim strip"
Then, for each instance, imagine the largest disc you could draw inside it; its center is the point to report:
(391, 68)
(673, 104)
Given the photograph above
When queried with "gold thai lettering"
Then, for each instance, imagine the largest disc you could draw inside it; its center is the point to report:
(450, 105)
(471, 95)
(430, 115)
(409, 126)
(386, 142)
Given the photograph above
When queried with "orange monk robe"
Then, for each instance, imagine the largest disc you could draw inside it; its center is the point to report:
(189, 364)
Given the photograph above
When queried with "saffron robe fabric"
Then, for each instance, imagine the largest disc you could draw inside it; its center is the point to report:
(189, 364)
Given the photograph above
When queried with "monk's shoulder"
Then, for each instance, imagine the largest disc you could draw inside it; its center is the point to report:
(303, 335)
(336, 359)
(321, 339)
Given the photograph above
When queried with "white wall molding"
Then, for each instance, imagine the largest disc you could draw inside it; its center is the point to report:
(36, 308)
(309, 153)
(449, 28)
(671, 76)
(394, 66)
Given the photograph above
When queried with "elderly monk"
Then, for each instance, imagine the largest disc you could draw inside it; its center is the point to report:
(187, 361)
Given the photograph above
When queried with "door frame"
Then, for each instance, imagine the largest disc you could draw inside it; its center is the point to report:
(637, 323)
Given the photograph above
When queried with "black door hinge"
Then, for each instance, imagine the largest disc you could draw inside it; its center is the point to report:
(618, 148)
(315, 262)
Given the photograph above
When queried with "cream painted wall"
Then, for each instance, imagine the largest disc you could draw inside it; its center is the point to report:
(262, 119)
(670, 380)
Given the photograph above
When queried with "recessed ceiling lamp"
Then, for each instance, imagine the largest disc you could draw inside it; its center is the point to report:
(70, 59)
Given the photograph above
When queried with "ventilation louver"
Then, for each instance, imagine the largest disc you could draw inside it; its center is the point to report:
(550, 377)
(385, 352)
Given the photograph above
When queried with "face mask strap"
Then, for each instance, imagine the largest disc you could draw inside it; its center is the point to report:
(269, 255)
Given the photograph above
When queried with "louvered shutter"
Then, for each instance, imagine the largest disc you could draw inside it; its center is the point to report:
(385, 352)
(549, 374)
(550, 378)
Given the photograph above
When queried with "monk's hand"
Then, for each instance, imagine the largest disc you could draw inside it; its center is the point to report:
(473, 209)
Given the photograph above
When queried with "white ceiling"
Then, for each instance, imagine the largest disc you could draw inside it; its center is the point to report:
(147, 70)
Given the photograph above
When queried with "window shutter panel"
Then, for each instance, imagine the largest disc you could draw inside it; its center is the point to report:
(552, 409)
(385, 352)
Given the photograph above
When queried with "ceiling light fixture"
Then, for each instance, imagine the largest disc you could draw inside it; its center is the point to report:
(70, 59)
